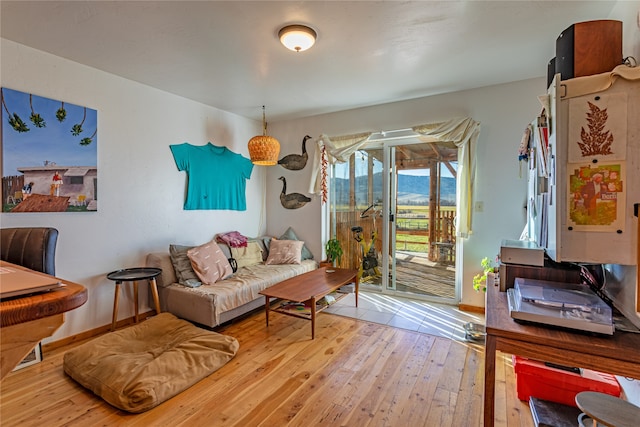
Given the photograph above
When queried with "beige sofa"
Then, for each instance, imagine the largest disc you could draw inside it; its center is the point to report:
(212, 305)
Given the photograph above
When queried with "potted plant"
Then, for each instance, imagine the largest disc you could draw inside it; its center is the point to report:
(333, 248)
(480, 280)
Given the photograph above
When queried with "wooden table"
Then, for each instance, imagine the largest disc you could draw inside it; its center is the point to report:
(25, 321)
(309, 288)
(617, 354)
(134, 275)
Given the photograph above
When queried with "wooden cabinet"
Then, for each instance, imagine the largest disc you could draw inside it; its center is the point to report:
(584, 178)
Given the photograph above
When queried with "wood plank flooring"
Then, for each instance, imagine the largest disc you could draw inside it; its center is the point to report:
(425, 280)
(354, 373)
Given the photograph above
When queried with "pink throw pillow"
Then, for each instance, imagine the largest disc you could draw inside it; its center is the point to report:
(209, 263)
(285, 252)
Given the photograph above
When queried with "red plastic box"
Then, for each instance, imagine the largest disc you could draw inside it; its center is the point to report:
(558, 385)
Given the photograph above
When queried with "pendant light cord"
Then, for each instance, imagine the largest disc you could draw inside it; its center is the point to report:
(264, 122)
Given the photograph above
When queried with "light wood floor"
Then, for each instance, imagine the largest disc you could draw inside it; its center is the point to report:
(419, 276)
(423, 277)
(354, 373)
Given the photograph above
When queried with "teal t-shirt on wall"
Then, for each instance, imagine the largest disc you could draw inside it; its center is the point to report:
(216, 176)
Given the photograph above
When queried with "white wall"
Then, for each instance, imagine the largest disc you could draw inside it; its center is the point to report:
(629, 13)
(141, 192)
(503, 111)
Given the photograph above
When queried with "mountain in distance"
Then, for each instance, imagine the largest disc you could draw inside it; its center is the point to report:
(412, 189)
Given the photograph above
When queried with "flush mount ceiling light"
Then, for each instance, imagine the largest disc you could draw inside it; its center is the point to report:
(297, 37)
(263, 149)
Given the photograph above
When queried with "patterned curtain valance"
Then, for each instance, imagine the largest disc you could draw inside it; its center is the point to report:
(331, 150)
(463, 132)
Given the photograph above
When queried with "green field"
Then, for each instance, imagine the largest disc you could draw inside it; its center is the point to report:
(412, 243)
(415, 219)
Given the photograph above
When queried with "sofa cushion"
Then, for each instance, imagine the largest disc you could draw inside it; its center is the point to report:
(182, 265)
(209, 263)
(211, 304)
(249, 255)
(162, 260)
(225, 249)
(239, 289)
(137, 368)
(261, 242)
(291, 235)
(284, 252)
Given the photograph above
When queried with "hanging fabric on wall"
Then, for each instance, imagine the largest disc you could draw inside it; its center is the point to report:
(586, 85)
(216, 176)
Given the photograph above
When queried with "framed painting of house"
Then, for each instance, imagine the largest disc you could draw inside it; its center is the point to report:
(49, 155)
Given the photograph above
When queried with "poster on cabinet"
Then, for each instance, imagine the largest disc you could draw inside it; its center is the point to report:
(597, 195)
(598, 127)
(49, 154)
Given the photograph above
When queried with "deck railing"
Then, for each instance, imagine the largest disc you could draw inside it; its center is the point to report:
(440, 248)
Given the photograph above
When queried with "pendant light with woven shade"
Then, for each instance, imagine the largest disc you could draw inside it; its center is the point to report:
(264, 149)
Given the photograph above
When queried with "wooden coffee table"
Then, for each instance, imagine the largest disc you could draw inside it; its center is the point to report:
(309, 288)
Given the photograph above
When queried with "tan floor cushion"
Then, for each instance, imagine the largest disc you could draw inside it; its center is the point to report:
(137, 368)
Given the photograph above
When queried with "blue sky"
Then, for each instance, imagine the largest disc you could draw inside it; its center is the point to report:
(54, 142)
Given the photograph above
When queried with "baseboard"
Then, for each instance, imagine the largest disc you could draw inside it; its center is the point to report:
(94, 332)
(471, 308)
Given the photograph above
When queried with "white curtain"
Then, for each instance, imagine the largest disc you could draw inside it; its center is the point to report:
(463, 132)
(332, 150)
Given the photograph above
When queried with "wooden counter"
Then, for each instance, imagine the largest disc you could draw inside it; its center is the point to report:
(26, 321)
(618, 354)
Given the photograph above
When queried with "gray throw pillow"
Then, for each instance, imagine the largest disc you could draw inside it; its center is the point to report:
(291, 235)
(182, 266)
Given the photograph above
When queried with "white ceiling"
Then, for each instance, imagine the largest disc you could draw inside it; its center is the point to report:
(226, 53)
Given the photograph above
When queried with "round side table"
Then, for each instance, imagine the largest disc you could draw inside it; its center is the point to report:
(133, 275)
(606, 410)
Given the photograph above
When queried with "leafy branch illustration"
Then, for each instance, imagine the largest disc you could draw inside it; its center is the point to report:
(61, 114)
(596, 141)
(89, 140)
(15, 121)
(77, 128)
(36, 118)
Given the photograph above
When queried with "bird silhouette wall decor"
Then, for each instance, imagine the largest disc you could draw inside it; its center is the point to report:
(296, 162)
(291, 200)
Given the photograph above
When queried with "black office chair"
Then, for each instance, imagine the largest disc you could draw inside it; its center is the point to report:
(31, 247)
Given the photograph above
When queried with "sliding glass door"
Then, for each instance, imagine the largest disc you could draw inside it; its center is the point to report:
(392, 206)
(422, 197)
